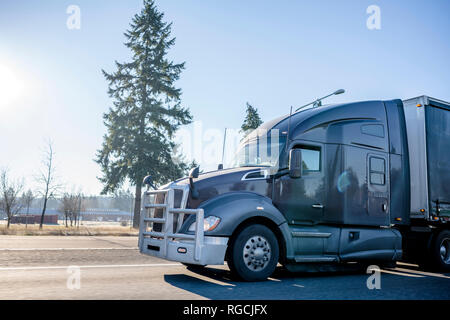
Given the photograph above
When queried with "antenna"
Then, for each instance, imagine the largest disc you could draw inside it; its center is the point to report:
(318, 102)
(220, 167)
(288, 130)
(224, 140)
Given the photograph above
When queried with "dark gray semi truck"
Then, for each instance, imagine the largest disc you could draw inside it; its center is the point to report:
(354, 183)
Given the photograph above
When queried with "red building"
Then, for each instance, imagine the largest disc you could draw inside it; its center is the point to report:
(35, 218)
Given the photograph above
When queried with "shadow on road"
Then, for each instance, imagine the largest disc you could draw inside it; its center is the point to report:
(401, 282)
(213, 283)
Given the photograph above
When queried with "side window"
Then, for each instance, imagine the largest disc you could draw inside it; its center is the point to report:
(377, 171)
(311, 158)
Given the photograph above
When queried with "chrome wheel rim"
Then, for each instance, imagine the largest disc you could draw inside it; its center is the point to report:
(257, 253)
(445, 251)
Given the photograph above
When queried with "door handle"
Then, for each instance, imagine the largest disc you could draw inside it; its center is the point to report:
(317, 206)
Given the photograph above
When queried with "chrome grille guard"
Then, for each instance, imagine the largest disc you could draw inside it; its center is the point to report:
(147, 234)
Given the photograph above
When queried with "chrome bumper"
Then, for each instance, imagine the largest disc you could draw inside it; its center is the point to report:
(168, 243)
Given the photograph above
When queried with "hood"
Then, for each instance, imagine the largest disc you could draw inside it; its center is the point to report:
(214, 183)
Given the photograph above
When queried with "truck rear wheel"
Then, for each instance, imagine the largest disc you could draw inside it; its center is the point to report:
(440, 251)
(254, 253)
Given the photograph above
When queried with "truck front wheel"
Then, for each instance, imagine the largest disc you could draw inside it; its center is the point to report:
(440, 251)
(254, 253)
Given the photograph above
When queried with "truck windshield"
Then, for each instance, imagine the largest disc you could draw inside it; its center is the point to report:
(260, 150)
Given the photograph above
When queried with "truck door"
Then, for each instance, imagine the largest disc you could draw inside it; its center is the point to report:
(378, 189)
(301, 200)
(367, 208)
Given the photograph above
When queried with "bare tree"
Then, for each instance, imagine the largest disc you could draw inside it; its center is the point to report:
(27, 200)
(71, 206)
(9, 201)
(68, 207)
(47, 179)
(81, 207)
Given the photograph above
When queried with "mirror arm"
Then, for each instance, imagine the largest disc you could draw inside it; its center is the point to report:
(280, 173)
(194, 192)
(295, 163)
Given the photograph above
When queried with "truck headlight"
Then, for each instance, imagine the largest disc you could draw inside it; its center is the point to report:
(209, 224)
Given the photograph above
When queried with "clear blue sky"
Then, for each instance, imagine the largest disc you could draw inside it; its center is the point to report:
(273, 54)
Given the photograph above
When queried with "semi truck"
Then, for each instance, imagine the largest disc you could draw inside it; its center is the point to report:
(327, 186)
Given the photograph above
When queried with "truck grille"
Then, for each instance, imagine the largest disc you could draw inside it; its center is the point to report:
(180, 194)
(160, 198)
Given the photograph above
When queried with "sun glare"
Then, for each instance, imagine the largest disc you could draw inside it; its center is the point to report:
(10, 86)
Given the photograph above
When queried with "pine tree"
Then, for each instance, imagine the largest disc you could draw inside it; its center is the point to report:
(252, 120)
(146, 109)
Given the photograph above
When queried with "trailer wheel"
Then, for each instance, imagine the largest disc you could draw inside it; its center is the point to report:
(254, 253)
(440, 251)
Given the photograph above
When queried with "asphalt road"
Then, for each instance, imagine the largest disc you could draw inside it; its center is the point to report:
(112, 268)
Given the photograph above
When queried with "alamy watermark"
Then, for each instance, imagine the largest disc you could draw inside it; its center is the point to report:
(74, 278)
(374, 280)
(73, 21)
(374, 20)
(209, 147)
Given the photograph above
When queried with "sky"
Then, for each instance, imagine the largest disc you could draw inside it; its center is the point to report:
(272, 54)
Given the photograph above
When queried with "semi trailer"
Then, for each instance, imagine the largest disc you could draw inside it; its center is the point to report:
(328, 186)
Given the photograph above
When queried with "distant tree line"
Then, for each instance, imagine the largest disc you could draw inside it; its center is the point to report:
(69, 204)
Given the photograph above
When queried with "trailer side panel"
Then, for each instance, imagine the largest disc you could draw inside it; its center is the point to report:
(416, 132)
(438, 151)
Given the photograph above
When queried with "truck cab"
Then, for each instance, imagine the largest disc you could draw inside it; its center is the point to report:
(322, 187)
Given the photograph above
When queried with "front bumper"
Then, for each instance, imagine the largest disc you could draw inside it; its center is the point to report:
(211, 253)
(165, 242)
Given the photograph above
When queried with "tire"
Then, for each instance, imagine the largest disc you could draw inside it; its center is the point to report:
(254, 253)
(440, 251)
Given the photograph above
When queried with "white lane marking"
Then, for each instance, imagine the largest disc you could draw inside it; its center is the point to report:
(402, 274)
(438, 275)
(94, 266)
(407, 264)
(273, 279)
(62, 249)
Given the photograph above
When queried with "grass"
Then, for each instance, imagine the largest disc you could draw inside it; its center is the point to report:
(61, 230)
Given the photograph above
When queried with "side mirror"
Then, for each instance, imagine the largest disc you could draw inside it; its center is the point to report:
(220, 166)
(295, 163)
(194, 172)
(148, 181)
